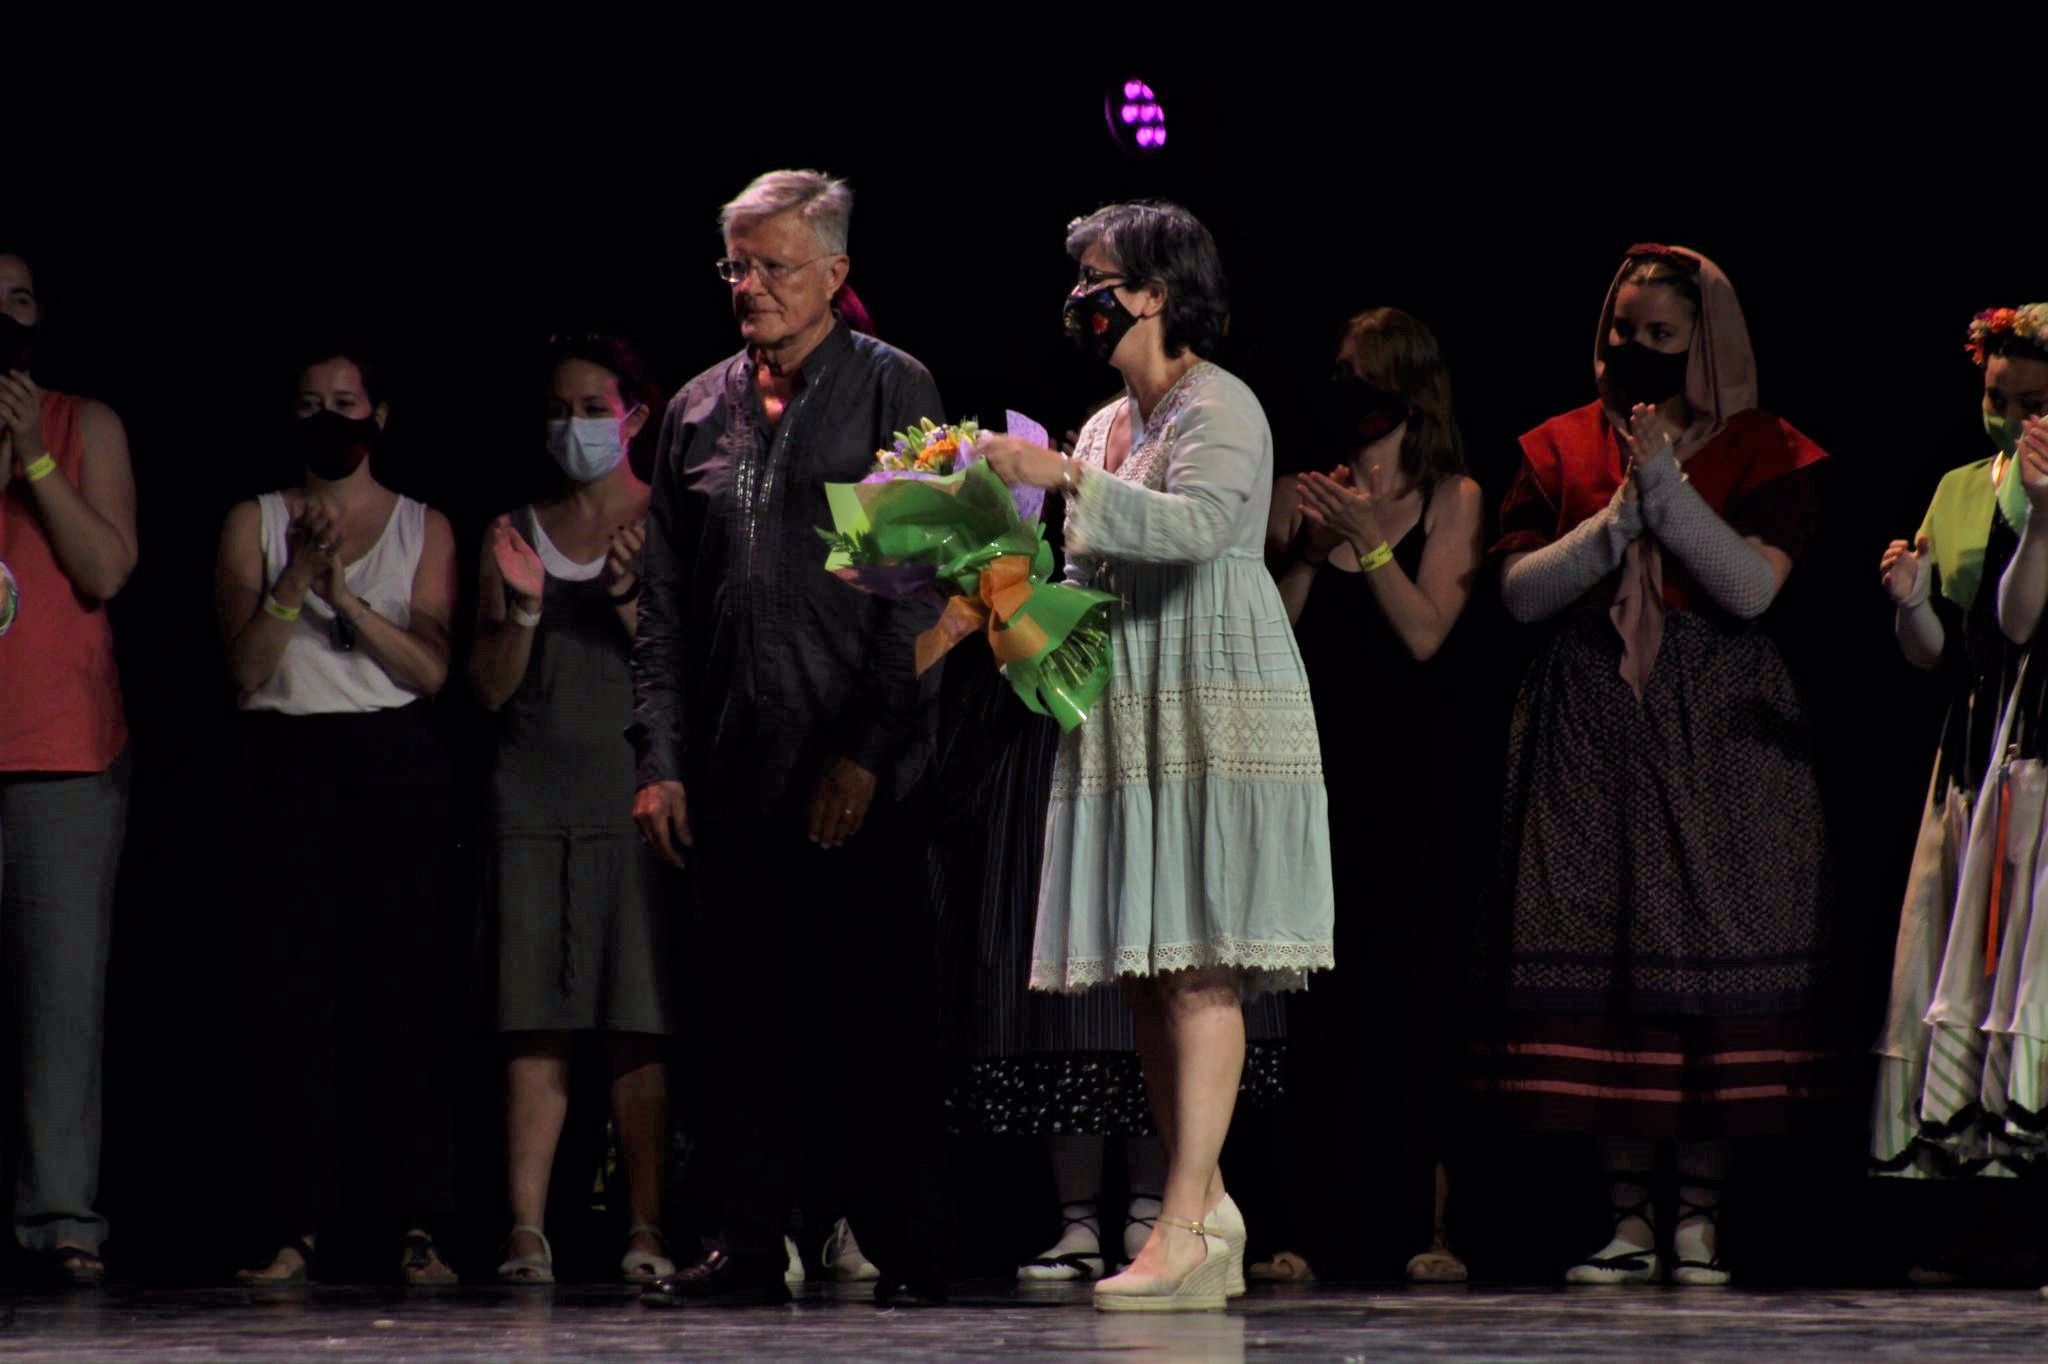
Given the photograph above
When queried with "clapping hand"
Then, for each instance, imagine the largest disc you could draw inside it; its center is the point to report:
(1335, 506)
(512, 568)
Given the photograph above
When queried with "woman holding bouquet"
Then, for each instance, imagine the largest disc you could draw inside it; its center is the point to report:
(1187, 847)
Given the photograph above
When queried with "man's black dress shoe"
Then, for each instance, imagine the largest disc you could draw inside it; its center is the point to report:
(718, 1280)
(896, 1291)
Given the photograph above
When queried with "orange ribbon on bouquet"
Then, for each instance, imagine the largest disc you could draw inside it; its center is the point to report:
(1004, 588)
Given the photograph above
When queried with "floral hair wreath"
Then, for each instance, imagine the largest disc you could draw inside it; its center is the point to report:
(2028, 324)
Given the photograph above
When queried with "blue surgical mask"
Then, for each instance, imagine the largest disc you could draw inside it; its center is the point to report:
(588, 448)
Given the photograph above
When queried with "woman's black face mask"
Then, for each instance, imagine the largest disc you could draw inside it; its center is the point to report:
(1637, 374)
(1363, 411)
(17, 344)
(1097, 322)
(332, 446)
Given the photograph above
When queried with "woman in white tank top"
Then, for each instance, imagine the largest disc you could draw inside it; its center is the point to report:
(335, 596)
(334, 600)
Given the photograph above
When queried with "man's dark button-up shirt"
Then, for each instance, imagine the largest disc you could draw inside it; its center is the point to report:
(753, 667)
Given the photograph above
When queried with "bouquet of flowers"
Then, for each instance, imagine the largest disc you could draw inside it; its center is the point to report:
(931, 518)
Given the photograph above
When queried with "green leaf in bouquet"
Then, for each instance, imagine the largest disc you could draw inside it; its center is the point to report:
(846, 550)
(849, 524)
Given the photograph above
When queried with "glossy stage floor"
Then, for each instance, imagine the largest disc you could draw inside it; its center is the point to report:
(999, 1323)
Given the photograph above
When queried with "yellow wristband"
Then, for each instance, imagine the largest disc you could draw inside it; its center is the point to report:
(1381, 555)
(279, 609)
(41, 468)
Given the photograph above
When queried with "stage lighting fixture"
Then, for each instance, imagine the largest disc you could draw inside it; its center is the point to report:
(1136, 118)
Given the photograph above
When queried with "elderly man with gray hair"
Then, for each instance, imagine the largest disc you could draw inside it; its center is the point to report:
(781, 742)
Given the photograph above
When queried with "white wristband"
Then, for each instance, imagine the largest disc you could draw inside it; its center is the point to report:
(525, 620)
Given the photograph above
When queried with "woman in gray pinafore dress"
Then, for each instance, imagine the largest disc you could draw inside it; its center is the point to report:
(574, 893)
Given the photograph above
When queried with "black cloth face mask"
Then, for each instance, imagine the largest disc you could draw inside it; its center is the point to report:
(17, 344)
(1637, 374)
(333, 446)
(1365, 412)
(1097, 322)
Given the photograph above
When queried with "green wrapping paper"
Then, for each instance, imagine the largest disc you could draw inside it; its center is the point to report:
(962, 536)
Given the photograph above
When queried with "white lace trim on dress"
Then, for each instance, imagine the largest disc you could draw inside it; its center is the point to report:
(1218, 729)
(1289, 960)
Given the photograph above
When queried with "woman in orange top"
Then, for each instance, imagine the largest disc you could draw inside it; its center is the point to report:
(67, 543)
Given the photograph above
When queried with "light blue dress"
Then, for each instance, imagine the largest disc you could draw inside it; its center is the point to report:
(1188, 825)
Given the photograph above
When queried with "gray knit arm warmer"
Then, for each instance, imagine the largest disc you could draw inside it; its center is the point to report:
(1545, 581)
(1732, 570)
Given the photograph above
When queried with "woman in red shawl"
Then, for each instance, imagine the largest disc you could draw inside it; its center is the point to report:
(1666, 858)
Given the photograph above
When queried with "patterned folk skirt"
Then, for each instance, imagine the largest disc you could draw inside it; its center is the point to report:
(1668, 879)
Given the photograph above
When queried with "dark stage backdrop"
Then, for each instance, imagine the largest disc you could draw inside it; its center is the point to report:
(452, 198)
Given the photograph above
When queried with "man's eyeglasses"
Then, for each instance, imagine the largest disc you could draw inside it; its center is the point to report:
(733, 269)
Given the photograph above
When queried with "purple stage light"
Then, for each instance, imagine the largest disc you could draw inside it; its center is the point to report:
(1136, 118)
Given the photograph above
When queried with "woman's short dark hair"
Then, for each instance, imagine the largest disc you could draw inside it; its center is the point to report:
(2014, 346)
(355, 354)
(614, 354)
(1164, 244)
